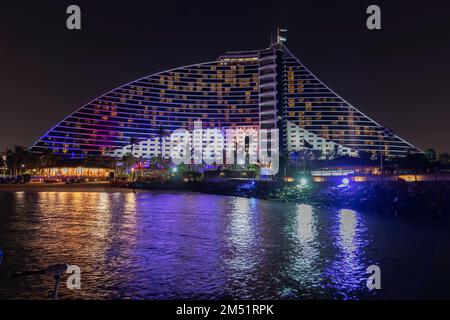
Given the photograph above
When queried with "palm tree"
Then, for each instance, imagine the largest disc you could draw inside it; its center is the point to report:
(131, 159)
(157, 162)
(128, 161)
(3, 163)
(304, 155)
(161, 134)
(31, 160)
(430, 154)
(132, 142)
(255, 168)
(16, 158)
(294, 156)
(317, 154)
(47, 158)
(444, 158)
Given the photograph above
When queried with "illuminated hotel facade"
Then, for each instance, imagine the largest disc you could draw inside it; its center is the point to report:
(248, 90)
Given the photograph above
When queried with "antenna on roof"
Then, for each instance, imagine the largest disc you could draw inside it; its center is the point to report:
(281, 35)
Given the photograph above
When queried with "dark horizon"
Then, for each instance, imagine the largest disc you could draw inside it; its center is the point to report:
(397, 75)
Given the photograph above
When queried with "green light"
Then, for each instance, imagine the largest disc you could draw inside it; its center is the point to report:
(303, 182)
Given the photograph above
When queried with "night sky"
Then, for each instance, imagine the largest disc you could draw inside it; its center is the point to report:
(398, 75)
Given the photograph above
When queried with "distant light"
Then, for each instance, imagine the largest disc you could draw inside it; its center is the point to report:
(345, 181)
(174, 169)
(303, 182)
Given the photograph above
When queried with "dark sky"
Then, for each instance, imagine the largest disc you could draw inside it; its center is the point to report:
(398, 75)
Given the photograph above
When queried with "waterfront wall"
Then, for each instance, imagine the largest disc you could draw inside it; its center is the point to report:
(397, 198)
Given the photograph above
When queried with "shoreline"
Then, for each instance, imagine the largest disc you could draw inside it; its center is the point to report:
(62, 187)
(418, 200)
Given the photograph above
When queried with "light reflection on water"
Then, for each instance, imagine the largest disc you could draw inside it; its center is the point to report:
(187, 245)
(347, 271)
(303, 268)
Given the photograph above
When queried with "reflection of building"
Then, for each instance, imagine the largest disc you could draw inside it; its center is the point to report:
(267, 88)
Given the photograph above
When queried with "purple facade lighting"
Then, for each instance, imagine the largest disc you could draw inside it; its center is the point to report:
(266, 88)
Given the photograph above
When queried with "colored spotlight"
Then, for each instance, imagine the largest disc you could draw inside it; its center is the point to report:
(345, 181)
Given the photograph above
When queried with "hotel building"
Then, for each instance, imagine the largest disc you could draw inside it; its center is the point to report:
(247, 90)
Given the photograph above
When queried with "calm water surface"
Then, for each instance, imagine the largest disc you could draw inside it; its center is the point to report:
(162, 245)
